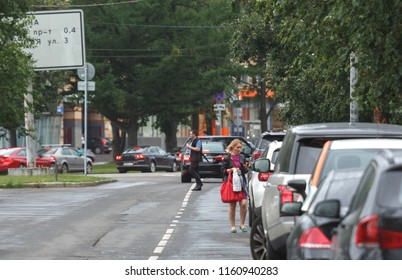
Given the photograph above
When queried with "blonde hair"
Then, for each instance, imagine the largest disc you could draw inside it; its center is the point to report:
(232, 144)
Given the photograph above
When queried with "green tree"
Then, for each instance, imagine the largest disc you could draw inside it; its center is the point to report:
(16, 66)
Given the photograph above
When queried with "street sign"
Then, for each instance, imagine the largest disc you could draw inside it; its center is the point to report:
(59, 39)
(90, 72)
(90, 86)
(219, 107)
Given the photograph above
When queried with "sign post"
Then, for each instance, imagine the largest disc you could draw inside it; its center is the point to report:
(59, 45)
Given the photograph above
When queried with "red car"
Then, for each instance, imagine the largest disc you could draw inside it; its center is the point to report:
(17, 158)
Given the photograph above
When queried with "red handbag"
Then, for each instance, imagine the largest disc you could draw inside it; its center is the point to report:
(227, 193)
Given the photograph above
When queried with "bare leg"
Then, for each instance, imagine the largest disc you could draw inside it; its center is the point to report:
(232, 214)
(243, 212)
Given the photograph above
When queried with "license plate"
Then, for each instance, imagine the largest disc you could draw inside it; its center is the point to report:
(128, 163)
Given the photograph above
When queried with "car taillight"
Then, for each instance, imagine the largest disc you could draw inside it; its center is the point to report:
(139, 156)
(186, 158)
(103, 142)
(256, 155)
(6, 160)
(314, 238)
(263, 177)
(220, 158)
(368, 234)
(286, 195)
(119, 157)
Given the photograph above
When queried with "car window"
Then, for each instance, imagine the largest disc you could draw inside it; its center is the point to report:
(66, 152)
(74, 152)
(213, 147)
(307, 158)
(390, 190)
(283, 164)
(364, 187)
(7, 151)
(22, 153)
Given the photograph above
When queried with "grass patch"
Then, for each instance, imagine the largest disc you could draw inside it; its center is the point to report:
(19, 181)
(107, 168)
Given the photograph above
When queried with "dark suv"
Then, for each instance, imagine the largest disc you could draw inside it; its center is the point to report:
(266, 138)
(297, 158)
(100, 145)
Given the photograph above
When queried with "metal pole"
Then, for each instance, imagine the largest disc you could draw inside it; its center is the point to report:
(353, 111)
(85, 118)
(29, 127)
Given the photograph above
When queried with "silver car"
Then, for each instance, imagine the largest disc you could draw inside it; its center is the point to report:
(69, 160)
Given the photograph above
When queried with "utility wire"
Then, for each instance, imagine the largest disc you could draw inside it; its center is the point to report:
(87, 5)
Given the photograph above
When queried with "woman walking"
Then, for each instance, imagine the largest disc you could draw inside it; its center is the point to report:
(235, 162)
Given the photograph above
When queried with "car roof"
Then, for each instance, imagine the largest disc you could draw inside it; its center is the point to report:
(339, 129)
(371, 143)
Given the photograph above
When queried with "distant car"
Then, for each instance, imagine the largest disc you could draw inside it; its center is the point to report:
(100, 145)
(69, 159)
(257, 180)
(17, 158)
(372, 228)
(45, 148)
(145, 159)
(211, 165)
(310, 238)
(264, 139)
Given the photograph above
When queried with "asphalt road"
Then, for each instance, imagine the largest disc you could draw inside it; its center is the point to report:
(142, 216)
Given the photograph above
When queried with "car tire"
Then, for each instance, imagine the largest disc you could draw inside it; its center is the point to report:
(174, 167)
(257, 240)
(98, 150)
(185, 178)
(64, 168)
(152, 167)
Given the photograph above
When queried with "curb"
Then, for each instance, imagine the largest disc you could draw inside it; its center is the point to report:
(61, 184)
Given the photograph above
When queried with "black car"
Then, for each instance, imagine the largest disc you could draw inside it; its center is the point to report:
(100, 145)
(310, 238)
(263, 141)
(211, 165)
(372, 228)
(145, 159)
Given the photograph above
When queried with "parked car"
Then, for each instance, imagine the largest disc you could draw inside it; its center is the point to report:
(80, 151)
(100, 145)
(310, 238)
(372, 228)
(68, 160)
(211, 166)
(248, 148)
(145, 159)
(299, 153)
(346, 153)
(258, 179)
(17, 158)
(264, 139)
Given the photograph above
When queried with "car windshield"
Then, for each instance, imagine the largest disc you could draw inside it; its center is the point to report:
(6, 152)
(51, 151)
(212, 147)
(135, 150)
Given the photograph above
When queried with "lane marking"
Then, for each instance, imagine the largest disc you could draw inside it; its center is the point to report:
(165, 238)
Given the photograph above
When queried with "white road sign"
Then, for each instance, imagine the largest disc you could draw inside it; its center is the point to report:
(90, 86)
(219, 107)
(59, 39)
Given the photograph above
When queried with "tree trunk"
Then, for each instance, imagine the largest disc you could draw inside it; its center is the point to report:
(263, 106)
(171, 135)
(132, 133)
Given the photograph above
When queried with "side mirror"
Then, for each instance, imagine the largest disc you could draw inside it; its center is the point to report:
(292, 209)
(328, 208)
(262, 165)
(299, 185)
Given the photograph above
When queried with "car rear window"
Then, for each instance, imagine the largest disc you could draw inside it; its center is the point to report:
(212, 147)
(7, 151)
(390, 190)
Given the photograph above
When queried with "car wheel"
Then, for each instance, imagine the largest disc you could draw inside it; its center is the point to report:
(257, 240)
(174, 167)
(122, 171)
(98, 150)
(64, 168)
(89, 168)
(152, 167)
(185, 178)
(21, 165)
